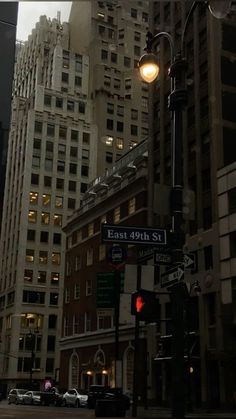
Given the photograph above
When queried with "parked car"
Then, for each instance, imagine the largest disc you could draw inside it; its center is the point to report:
(96, 392)
(31, 397)
(117, 394)
(52, 397)
(16, 395)
(75, 398)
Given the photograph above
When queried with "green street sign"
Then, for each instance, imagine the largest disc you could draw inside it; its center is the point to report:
(106, 289)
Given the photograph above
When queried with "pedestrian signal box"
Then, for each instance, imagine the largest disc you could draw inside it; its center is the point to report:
(145, 305)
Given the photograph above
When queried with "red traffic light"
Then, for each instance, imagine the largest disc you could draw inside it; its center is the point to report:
(139, 303)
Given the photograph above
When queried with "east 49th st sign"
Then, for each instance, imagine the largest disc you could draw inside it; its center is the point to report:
(135, 235)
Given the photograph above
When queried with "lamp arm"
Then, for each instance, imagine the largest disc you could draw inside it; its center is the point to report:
(166, 35)
(186, 24)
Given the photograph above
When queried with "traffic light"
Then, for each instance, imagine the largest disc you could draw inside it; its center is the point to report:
(145, 305)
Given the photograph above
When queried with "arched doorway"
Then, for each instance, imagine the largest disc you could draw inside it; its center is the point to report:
(74, 371)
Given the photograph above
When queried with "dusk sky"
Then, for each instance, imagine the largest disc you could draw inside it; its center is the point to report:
(30, 11)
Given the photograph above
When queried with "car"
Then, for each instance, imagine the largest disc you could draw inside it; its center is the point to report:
(76, 398)
(117, 394)
(52, 397)
(31, 397)
(99, 392)
(16, 395)
(96, 392)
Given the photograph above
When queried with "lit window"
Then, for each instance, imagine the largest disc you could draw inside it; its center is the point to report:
(108, 140)
(33, 197)
(77, 292)
(57, 219)
(132, 144)
(43, 256)
(131, 205)
(117, 215)
(32, 216)
(28, 275)
(56, 258)
(88, 287)
(120, 143)
(46, 199)
(101, 15)
(90, 229)
(45, 218)
(55, 278)
(102, 251)
(89, 257)
(103, 219)
(59, 202)
(29, 255)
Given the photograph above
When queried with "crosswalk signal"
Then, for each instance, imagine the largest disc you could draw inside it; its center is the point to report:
(145, 305)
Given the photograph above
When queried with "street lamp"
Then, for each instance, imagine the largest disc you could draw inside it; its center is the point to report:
(149, 70)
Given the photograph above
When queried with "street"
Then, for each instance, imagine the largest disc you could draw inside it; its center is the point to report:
(39, 412)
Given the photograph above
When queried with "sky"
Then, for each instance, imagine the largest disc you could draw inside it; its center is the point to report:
(30, 11)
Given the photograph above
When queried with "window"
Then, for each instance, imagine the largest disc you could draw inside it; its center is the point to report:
(53, 298)
(70, 106)
(64, 77)
(47, 181)
(55, 278)
(81, 107)
(127, 62)
(127, 84)
(77, 292)
(50, 365)
(120, 110)
(134, 114)
(49, 146)
(120, 126)
(31, 235)
(37, 144)
(85, 154)
(32, 216)
(89, 259)
(133, 13)
(133, 130)
(60, 166)
(29, 255)
(47, 100)
(67, 295)
(35, 161)
(78, 63)
(208, 257)
(38, 127)
(86, 138)
(104, 54)
(45, 218)
(110, 124)
(56, 238)
(51, 343)
(137, 36)
(28, 275)
(33, 297)
(109, 140)
(77, 262)
(90, 229)
(84, 171)
(110, 108)
(132, 144)
(59, 202)
(132, 206)
(43, 256)
(73, 152)
(56, 258)
(71, 203)
(116, 83)
(42, 277)
(74, 135)
(59, 102)
(144, 17)
(33, 197)
(78, 81)
(88, 287)
(102, 252)
(232, 200)
(72, 186)
(232, 244)
(87, 322)
(57, 219)
(117, 215)
(119, 143)
(44, 237)
(83, 187)
(46, 199)
(50, 130)
(62, 132)
(52, 321)
(137, 50)
(61, 150)
(48, 164)
(34, 179)
(121, 33)
(73, 168)
(109, 157)
(113, 57)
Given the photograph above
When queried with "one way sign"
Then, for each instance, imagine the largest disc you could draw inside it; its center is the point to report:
(189, 261)
(172, 276)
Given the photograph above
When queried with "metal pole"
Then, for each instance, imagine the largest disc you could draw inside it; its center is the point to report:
(136, 357)
(117, 318)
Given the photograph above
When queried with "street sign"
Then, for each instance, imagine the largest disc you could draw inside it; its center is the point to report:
(189, 261)
(172, 276)
(133, 235)
(144, 254)
(106, 289)
(116, 255)
(162, 258)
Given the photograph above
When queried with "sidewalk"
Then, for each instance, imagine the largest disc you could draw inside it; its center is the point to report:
(164, 413)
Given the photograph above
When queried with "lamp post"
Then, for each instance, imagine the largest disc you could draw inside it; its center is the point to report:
(149, 70)
(32, 338)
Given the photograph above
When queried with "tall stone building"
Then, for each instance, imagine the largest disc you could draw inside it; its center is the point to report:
(77, 108)
(209, 170)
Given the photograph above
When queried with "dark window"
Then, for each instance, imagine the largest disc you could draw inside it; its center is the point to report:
(38, 127)
(33, 297)
(47, 100)
(228, 34)
(137, 50)
(133, 130)
(82, 107)
(47, 181)
(208, 257)
(104, 54)
(207, 218)
(110, 108)
(56, 238)
(60, 166)
(44, 237)
(113, 57)
(73, 151)
(52, 321)
(211, 308)
(229, 136)
(228, 106)
(51, 343)
(83, 187)
(119, 126)
(232, 243)
(127, 61)
(49, 146)
(86, 137)
(59, 102)
(42, 277)
(70, 105)
(50, 129)
(53, 298)
(49, 364)
(71, 203)
(84, 171)
(62, 132)
(37, 144)
(34, 179)
(74, 135)
(73, 168)
(232, 200)
(78, 81)
(134, 13)
(110, 124)
(64, 77)
(31, 235)
(109, 157)
(72, 186)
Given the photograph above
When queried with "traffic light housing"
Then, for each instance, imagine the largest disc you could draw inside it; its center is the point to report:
(145, 305)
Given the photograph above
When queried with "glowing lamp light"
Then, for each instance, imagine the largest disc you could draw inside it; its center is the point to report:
(104, 372)
(89, 372)
(148, 67)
